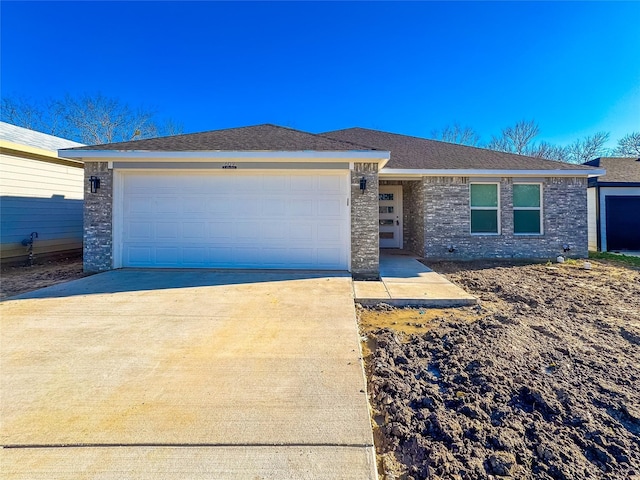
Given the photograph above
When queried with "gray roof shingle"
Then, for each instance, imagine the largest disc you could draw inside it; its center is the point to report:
(619, 170)
(264, 137)
(420, 153)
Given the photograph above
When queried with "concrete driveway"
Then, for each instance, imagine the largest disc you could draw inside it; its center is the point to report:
(185, 374)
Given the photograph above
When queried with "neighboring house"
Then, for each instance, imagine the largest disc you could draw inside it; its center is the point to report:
(272, 197)
(39, 192)
(614, 205)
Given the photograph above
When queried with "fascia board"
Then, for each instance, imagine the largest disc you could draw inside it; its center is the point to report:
(136, 155)
(34, 153)
(488, 173)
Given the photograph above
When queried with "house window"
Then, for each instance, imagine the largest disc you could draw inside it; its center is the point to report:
(527, 209)
(484, 208)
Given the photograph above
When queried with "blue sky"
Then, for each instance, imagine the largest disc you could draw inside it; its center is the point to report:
(409, 68)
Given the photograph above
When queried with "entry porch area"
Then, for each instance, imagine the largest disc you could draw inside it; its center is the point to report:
(404, 281)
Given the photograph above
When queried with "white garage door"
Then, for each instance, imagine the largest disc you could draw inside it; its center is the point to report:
(233, 220)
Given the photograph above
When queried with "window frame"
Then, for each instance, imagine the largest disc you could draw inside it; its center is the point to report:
(539, 209)
(497, 209)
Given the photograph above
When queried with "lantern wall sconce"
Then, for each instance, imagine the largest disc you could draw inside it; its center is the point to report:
(94, 183)
(363, 184)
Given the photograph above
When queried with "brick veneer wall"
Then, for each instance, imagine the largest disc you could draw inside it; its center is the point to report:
(413, 216)
(98, 228)
(447, 221)
(365, 254)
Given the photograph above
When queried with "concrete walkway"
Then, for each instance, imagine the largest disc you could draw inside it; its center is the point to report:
(183, 374)
(404, 281)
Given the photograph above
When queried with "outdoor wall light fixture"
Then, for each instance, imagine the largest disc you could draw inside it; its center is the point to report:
(94, 182)
(363, 184)
(566, 247)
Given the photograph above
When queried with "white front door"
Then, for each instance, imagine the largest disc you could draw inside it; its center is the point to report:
(390, 216)
(240, 220)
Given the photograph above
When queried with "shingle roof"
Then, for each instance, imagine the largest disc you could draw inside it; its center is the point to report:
(31, 138)
(265, 137)
(619, 170)
(420, 153)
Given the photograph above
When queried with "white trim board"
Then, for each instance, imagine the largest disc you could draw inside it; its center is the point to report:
(391, 173)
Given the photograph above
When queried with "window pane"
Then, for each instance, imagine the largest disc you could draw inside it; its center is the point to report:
(526, 221)
(526, 195)
(484, 221)
(484, 195)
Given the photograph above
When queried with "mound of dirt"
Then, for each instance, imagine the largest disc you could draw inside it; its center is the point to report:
(545, 383)
(21, 278)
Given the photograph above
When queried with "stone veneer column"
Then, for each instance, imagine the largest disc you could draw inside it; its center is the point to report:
(365, 253)
(98, 228)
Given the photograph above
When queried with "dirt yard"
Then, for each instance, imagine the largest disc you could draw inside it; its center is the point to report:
(16, 279)
(540, 381)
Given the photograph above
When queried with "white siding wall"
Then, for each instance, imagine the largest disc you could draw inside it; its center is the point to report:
(592, 224)
(37, 196)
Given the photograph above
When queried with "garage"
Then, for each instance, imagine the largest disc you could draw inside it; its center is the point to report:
(623, 222)
(232, 219)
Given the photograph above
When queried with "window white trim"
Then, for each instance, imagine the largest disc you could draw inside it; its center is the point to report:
(497, 210)
(540, 209)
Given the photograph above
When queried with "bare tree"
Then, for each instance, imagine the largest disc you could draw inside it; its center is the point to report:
(548, 151)
(588, 148)
(629, 145)
(515, 139)
(457, 134)
(91, 119)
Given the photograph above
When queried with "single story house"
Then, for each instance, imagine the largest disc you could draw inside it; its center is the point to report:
(40, 194)
(614, 205)
(272, 197)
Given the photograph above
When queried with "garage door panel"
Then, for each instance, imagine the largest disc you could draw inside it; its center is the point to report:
(328, 257)
(274, 207)
(304, 184)
(301, 256)
(220, 205)
(167, 256)
(167, 231)
(299, 207)
(220, 255)
(195, 204)
(329, 185)
(329, 234)
(623, 222)
(273, 230)
(244, 221)
(195, 256)
(247, 231)
(301, 232)
(247, 207)
(166, 204)
(330, 207)
(220, 231)
(139, 255)
(140, 230)
(193, 230)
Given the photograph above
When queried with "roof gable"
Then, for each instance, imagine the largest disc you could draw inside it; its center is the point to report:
(264, 137)
(409, 152)
(619, 169)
